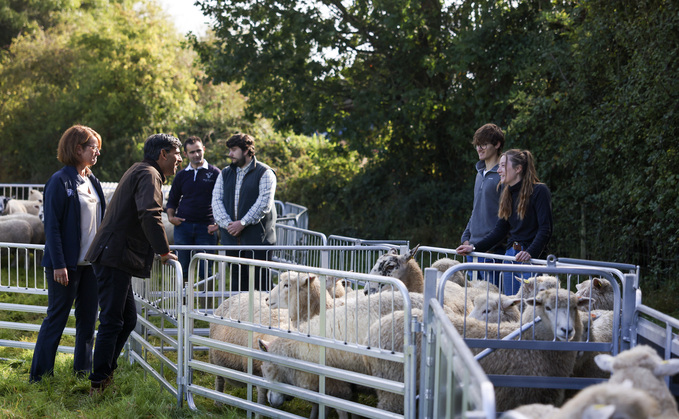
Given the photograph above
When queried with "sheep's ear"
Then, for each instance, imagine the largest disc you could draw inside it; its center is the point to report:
(669, 367)
(533, 301)
(604, 362)
(584, 301)
(522, 279)
(596, 282)
(508, 302)
(412, 252)
(263, 345)
(392, 251)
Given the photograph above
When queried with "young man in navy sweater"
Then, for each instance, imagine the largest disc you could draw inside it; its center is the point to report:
(189, 203)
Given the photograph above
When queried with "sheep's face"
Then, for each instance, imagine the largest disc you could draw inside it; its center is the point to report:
(489, 308)
(534, 285)
(274, 373)
(596, 289)
(390, 264)
(290, 286)
(559, 309)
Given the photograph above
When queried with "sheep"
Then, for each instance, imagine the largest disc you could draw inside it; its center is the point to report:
(300, 293)
(599, 290)
(336, 288)
(15, 205)
(494, 307)
(555, 307)
(610, 400)
(35, 195)
(403, 267)
(532, 286)
(37, 226)
(531, 411)
(12, 206)
(236, 307)
(349, 324)
(15, 230)
(600, 401)
(444, 264)
(558, 309)
(598, 327)
(644, 368)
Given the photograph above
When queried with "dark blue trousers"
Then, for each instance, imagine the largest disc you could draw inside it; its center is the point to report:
(193, 233)
(81, 288)
(117, 318)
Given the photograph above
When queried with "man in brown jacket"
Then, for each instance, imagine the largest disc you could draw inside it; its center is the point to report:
(130, 234)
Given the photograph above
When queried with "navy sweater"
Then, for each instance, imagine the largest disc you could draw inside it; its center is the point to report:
(533, 232)
(191, 198)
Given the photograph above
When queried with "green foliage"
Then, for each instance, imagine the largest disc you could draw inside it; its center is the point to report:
(116, 68)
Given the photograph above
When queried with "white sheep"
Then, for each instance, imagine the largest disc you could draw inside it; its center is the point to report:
(597, 327)
(236, 308)
(403, 267)
(558, 309)
(300, 294)
(600, 401)
(37, 226)
(23, 205)
(35, 195)
(444, 264)
(645, 369)
(530, 287)
(496, 308)
(610, 400)
(350, 324)
(15, 230)
(560, 318)
(599, 290)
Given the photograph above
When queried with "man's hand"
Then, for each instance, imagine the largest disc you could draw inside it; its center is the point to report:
(235, 228)
(61, 276)
(169, 256)
(175, 220)
(523, 256)
(212, 228)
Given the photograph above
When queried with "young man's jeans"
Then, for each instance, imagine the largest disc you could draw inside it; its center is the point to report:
(193, 234)
(492, 276)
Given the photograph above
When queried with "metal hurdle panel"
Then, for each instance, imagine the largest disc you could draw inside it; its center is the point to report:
(452, 383)
(19, 190)
(259, 320)
(568, 276)
(156, 344)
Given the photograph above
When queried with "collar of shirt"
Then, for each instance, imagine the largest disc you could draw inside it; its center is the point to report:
(190, 166)
(246, 168)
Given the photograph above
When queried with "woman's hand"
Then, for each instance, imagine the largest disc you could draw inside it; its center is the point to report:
(61, 276)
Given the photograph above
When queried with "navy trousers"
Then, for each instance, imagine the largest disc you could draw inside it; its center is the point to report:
(81, 288)
(240, 274)
(193, 233)
(117, 319)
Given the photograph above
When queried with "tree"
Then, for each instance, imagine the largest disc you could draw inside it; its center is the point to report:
(116, 67)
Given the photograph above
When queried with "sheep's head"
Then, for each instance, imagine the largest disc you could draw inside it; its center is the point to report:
(391, 264)
(558, 308)
(532, 286)
(290, 286)
(490, 307)
(596, 288)
(272, 372)
(641, 356)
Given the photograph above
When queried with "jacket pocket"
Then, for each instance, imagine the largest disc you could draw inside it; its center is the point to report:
(135, 253)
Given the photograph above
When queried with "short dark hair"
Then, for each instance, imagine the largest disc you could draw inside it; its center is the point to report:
(157, 142)
(245, 142)
(192, 140)
(71, 139)
(489, 134)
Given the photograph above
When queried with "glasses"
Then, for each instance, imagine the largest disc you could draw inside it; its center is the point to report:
(93, 147)
(481, 146)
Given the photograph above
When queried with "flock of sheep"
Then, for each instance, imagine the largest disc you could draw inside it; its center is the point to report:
(21, 219)
(374, 317)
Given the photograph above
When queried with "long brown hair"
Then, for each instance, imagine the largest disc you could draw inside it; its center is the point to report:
(529, 176)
